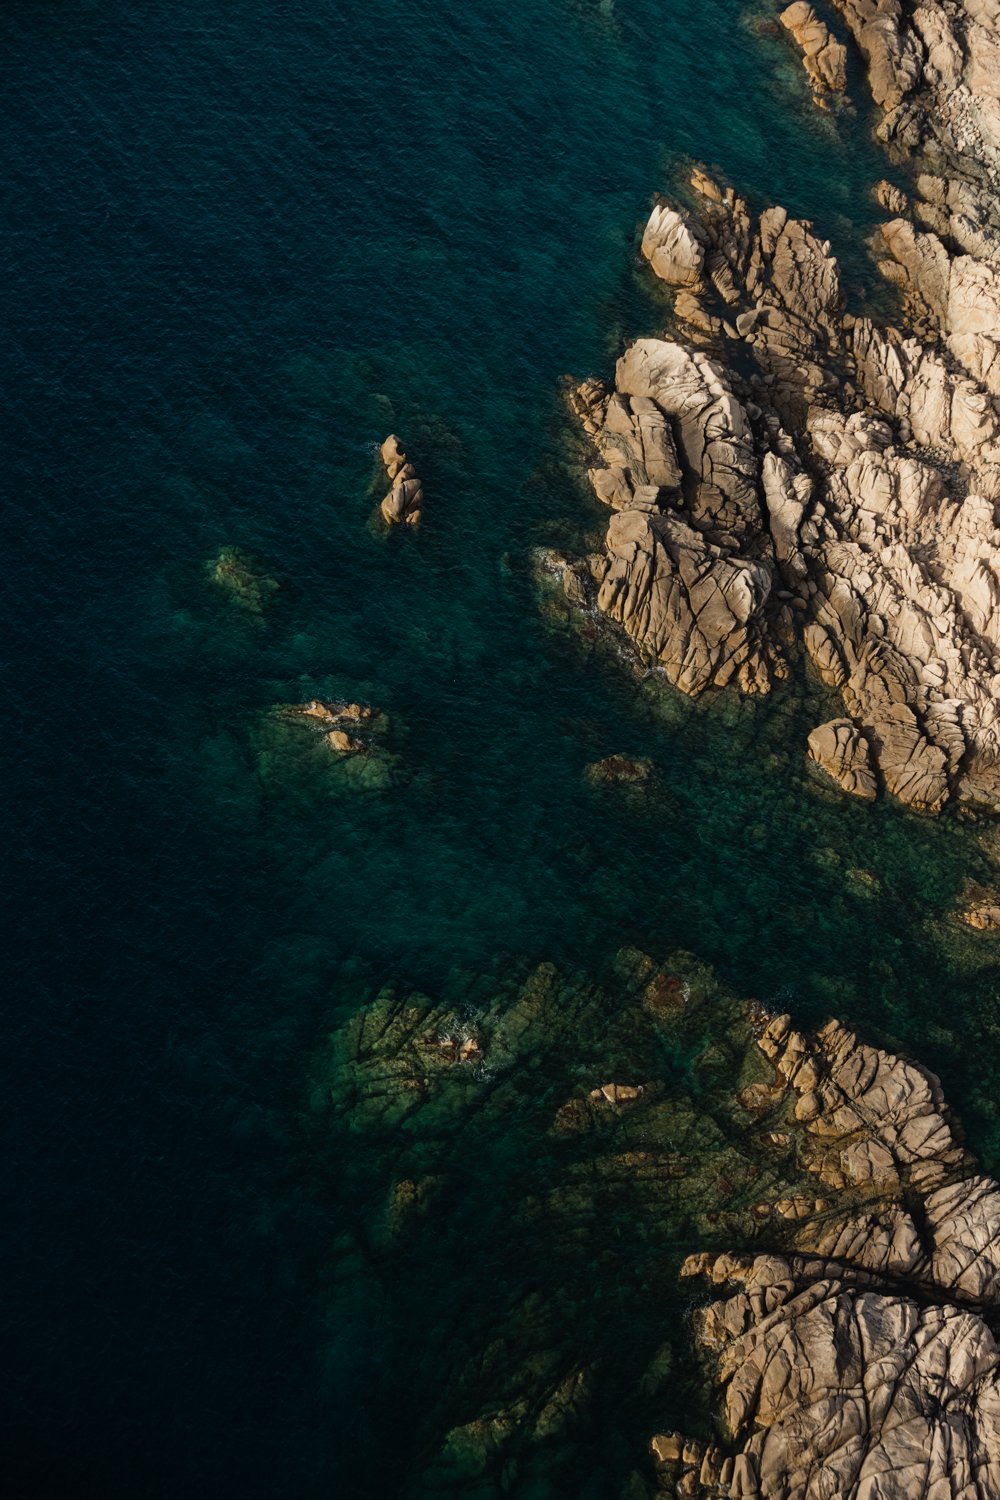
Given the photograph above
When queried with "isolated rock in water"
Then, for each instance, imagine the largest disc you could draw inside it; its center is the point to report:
(842, 751)
(392, 455)
(824, 57)
(344, 743)
(332, 714)
(339, 723)
(404, 502)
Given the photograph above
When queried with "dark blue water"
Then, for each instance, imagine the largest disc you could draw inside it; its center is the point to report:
(241, 244)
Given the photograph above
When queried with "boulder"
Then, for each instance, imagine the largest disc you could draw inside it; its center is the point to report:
(841, 750)
(824, 57)
(404, 502)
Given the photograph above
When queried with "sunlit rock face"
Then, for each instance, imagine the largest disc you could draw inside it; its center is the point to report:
(782, 473)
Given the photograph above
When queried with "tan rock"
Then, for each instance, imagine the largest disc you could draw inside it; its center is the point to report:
(404, 502)
(824, 57)
(344, 743)
(857, 505)
(842, 751)
(671, 245)
(393, 455)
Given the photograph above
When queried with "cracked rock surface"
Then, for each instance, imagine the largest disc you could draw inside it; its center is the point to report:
(782, 471)
(841, 495)
(864, 1363)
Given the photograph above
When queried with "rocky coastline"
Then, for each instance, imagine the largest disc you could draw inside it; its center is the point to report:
(787, 477)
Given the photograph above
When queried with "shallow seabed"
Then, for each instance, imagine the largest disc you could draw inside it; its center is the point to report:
(243, 243)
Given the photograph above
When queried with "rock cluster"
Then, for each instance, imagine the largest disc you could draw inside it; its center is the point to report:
(338, 722)
(862, 1363)
(824, 57)
(404, 502)
(841, 493)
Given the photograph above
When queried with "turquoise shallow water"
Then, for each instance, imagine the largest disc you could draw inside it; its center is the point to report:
(241, 245)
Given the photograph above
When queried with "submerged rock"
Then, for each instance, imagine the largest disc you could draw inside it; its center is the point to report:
(617, 770)
(979, 908)
(243, 580)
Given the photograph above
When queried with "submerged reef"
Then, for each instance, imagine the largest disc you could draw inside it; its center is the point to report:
(785, 476)
(243, 580)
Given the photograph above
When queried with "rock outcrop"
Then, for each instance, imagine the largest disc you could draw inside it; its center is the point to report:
(850, 1338)
(824, 57)
(839, 492)
(842, 751)
(403, 504)
(338, 722)
(863, 1363)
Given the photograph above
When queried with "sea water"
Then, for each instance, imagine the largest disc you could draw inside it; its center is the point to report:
(243, 243)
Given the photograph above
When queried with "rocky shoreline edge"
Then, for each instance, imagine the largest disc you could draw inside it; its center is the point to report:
(786, 477)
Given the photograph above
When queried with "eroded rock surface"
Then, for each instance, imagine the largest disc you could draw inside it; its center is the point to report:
(840, 492)
(864, 1363)
(842, 751)
(403, 505)
(825, 57)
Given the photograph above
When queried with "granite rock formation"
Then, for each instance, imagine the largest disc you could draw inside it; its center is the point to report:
(403, 504)
(851, 1336)
(863, 1363)
(781, 470)
(824, 57)
(839, 493)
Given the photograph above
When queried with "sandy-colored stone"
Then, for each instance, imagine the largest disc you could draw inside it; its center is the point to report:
(403, 505)
(824, 57)
(842, 751)
(847, 492)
